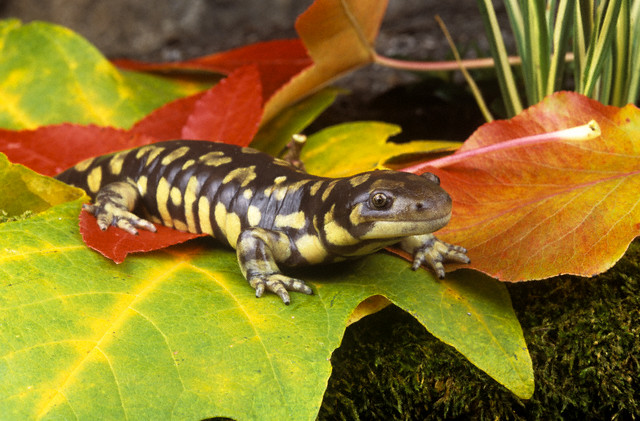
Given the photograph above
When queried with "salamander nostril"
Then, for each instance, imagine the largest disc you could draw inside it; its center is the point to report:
(419, 205)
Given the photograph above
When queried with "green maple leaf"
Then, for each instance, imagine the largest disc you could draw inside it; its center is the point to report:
(179, 333)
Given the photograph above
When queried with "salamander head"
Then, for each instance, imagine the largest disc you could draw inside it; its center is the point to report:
(383, 205)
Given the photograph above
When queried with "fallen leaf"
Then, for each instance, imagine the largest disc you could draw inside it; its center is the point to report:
(52, 149)
(552, 208)
(84, 336)
(168, 121)
(274, 135)
(277, 61)
(350, 148)
(48, 73)
(229, 112)
(23, 190)
(339, 36)
(116, 244)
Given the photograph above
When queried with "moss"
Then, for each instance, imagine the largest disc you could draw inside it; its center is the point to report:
(584, 340)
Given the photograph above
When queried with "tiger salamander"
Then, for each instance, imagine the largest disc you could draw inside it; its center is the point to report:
(271, 213)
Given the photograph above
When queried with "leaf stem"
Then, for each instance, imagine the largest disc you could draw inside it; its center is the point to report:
(591, 130)
(477, 63)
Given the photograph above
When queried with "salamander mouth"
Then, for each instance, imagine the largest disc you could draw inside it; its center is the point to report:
(402, 228)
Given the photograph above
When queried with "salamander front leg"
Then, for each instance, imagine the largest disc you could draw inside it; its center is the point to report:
(258, 251)
(428, 249)
(113, 205)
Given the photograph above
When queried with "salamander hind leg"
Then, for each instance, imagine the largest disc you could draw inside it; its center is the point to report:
(428, 249)
(113, 205)
(259, 250)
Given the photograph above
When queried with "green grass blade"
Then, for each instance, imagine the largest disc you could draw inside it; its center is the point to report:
(517, 23)
(536, 67)
(505, 76)
(621, 57)
(603, 87)
(561, 30)
(581, 33)
(600, 47)
(634, 56)
(516, 20)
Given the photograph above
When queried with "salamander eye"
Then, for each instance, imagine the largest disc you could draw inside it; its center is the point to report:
(380, 200)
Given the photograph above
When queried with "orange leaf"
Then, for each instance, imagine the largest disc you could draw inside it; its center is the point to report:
(550, 208)
(339, 35)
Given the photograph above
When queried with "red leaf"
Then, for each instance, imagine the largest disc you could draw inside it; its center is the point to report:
(168, 121)
(52, 149)
(229, 112)
(277, 62)
(115, 243)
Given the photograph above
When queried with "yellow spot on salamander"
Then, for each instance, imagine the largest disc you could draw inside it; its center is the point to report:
(189, 199)
(335, 233)
(338, 235)
(247, 194)
(115, 165)
(245, 174)
(269, 191)
(220, 216)
(187, 164)
(355, 216)
(176, 196)
(179, 225)
(280, 193)
(311, 249)
(162, 199)
(299, 184)
(282, 162)
(84, 165)
(327, 190)
(316, 186)
(359, 179)
(254, 215)
(249, 150)
(153, 152)
(279, 179)
(142, 185)
(295, 220)
(214, 159)
(174, 154)
(233, 228)
(95, 179)
(228, 223)
(204, 215)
